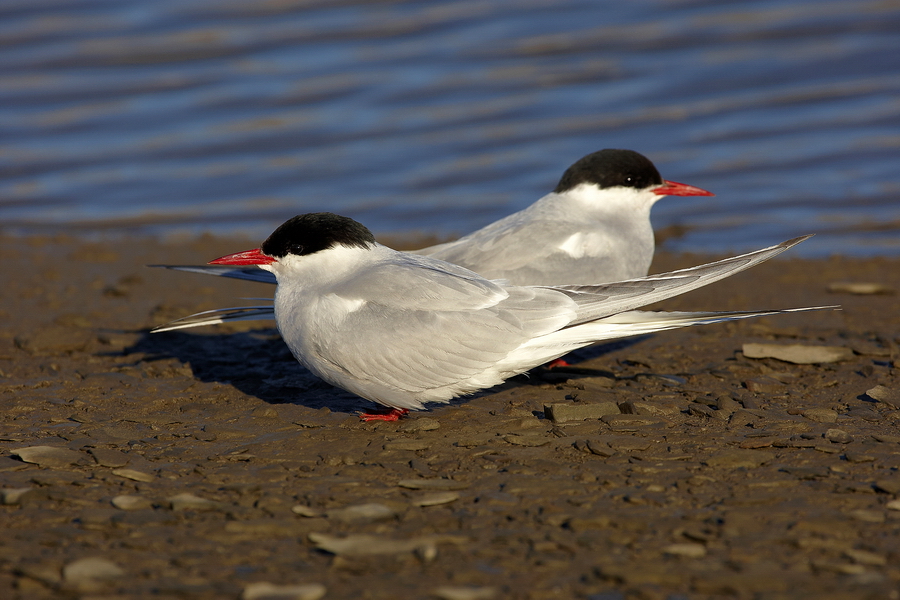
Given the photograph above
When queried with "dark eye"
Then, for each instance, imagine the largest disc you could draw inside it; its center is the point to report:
(629, 179)
(296, 249)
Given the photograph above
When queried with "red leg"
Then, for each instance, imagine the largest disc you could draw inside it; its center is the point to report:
(559, 362)
(393, 414)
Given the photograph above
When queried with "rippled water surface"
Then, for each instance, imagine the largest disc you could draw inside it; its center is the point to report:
(439, 117)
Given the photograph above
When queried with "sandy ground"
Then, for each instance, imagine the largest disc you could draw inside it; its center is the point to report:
(201, 464)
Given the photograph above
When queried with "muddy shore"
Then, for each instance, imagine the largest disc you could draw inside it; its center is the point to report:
(202, 464)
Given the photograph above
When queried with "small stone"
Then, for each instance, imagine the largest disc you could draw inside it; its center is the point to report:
(886, 439)
(109, 457)
(411, 445)
(861, 288)
(432, 484)
(191, 502)
(564, 412)
(686, 549)
(531, 441)
(886, 395)
(798, 354)
(13, 495)
(412, 425)
(867, 515)
(893, 505)
(634, 422)
(264, 590)
(362, 513)
(864, 557)
(436, 499)
(130, 502)
(134, 475)
(820, 415)
(366, 545)
(448, 592)
(307, 511)
(49, 456)
(838, 436)
(88, 572)
(858, 457)
(889, 486)
(599, 448)
(738, 458)
(763, 385)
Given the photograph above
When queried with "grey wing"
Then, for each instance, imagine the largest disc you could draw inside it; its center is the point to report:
(598, 301)
(249, 273)
(403, 357)
(506, 245)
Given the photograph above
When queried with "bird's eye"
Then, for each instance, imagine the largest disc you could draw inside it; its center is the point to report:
(296, 249)
(629, 179)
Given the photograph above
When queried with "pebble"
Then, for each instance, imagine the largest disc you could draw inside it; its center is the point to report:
(884, 394)
(632, 422)
(191, 502)
(448, 592)
(367, 545)
(564, 412)
(362, 513)
(763, 385)
(109, 457)
(134, 475)
(432, 484)
(13, 495)
(419, 424)
(88, 572)
(838, 436)
(820, 415)
(529, 440)
(264, 590)
(860, 288)
(867, 515)
(686, 549)
(889, 486)
(131, 502)
(739, 458)
(864, 557)
(49, 456)
(893, 505)
(307, 511)
(886, 439)
(436, 499)
(798, 354)
(411, 445)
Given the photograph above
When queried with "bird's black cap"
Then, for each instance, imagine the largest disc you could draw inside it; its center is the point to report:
(312, 232)
(610, 168)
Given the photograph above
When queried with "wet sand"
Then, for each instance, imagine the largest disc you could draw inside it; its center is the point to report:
(196, 464)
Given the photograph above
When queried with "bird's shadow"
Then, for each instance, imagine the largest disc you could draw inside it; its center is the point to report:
(259, 364)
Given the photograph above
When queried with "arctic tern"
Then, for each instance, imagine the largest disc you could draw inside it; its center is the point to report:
(404, 330)
(594, 227)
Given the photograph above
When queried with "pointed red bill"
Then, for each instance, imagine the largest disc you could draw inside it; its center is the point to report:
(673, 188)
(248, 257)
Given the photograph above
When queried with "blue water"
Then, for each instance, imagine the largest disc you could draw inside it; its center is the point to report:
(424, 117)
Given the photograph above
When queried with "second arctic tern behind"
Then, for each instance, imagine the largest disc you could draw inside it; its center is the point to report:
(594, 227)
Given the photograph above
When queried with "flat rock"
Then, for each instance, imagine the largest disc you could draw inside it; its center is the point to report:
(889, 396)
(411, 445)
(436, 499)
(820, 415)
(362, 513)
(530, 440)
(563, 412)
(739, 458)
(109, 457)
(264, 590)
(134, 475)
(13, 495)
(448, 592)
(191, 502)
(132, 502)
(432, 484)
(49, 456)
(863, 288)
(686, 549)
(798, 354)
(90, 570)
(368, 545)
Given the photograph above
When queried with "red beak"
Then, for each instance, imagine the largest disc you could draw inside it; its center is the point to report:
(248, 257)
(673, 188)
